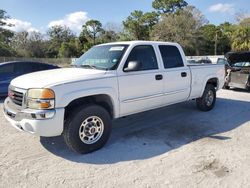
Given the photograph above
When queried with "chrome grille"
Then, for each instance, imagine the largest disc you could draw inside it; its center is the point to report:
(17, 97)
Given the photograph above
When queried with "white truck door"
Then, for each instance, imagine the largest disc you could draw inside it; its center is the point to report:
(142, 89)
(177, 76)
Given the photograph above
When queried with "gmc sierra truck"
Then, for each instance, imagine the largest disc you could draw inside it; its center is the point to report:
(109, 81)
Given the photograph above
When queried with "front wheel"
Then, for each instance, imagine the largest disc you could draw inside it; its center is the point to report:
(87, 129)
(208, 99)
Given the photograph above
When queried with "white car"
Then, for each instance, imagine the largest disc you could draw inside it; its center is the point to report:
(109, 81)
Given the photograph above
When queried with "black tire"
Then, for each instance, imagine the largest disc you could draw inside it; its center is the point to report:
(76, 120)
(205, 103)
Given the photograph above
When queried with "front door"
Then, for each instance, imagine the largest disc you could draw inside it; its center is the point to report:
(142, 89)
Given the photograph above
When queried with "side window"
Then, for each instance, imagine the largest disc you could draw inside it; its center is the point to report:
(45, 67)
(144, 54)
(37, 67)
(23, 68)
(7, 69)
(171, 56)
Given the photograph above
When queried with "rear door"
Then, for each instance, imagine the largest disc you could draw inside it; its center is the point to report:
(143, 89)
(177, 77)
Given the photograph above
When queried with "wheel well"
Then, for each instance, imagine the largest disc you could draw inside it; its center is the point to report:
(102, 100)
(214, 82)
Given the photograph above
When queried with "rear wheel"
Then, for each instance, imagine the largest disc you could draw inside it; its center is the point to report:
(208, 99)
(87, 129)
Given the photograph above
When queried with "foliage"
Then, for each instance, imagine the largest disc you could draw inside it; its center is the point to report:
(5, 35)
(5, 50)
(91, 29)
(241, 39)
(172, 21)
(245, 22)
(58, 35)
(139, 24)
(168, 6)
(70, 49)
(3, 17)
(182, 28)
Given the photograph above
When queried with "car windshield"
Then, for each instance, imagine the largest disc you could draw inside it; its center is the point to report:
(222, 61)
(191, 61)
(105, 57)
(242, 64)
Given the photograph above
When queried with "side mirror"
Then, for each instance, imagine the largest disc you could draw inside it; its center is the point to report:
(132, 66)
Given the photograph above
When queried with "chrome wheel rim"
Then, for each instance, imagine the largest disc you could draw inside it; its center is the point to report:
(91, 130)
(209, 98)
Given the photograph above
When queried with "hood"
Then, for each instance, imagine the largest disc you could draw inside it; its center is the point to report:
(234, 57)
(54, 77)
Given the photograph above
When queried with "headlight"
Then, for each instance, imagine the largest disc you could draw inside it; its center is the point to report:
(40, 99)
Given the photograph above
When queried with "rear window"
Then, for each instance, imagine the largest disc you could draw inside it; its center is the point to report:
(171, 56)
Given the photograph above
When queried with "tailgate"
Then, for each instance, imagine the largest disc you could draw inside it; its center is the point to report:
(239, 78)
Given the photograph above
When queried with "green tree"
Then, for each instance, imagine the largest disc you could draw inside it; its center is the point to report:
(211, 35)
(183, 28)
(29, 44)
(108, 36)
(139, 24)
(224, 43)
(70, 49)
(5, 36)
(5, 50)
(168, 6)
(58, 35)
(36, 45)
(90, 30)
(19, 43)
(245, 22)
(241, 39)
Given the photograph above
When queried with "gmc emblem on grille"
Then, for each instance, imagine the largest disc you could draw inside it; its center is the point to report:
(11, 94)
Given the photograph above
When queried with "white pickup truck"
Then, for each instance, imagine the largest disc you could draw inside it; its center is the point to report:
(109, 81)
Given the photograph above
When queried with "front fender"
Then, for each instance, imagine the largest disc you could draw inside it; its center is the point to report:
(63, 100)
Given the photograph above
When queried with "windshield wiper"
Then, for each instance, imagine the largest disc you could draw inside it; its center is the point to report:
(89, 66)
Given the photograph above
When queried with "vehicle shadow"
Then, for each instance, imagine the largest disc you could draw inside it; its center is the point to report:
(153, 133)
(240, 90)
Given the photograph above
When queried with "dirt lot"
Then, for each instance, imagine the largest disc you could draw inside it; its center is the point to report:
(177, 146)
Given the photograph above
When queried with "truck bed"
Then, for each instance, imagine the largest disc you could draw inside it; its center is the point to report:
(200, 73)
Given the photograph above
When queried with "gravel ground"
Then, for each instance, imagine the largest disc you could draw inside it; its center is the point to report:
(177, 146)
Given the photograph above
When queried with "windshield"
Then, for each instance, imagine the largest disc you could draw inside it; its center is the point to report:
(242, 64)
(191, 61)
(106, 57)
(222, 61)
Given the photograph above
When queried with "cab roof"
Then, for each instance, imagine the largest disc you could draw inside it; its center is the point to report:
(139, 42)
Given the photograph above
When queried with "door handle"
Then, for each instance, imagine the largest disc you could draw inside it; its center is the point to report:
(183, 74)
(158, 77)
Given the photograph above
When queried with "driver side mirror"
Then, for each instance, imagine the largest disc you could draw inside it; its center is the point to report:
(132, 66)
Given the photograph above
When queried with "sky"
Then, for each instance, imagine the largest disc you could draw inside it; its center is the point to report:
(39, 15)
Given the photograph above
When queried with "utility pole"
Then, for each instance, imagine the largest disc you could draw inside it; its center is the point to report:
(216, 43)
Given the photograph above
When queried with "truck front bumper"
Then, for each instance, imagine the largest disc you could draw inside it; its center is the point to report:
(47, 123)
